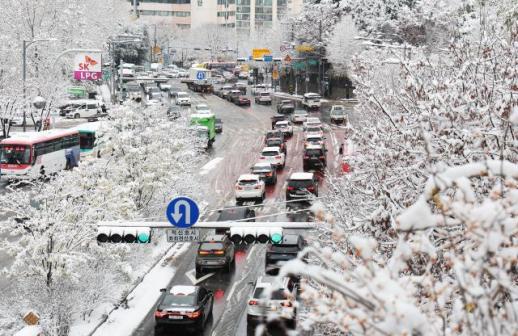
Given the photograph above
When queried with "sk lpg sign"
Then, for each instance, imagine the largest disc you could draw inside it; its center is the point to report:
(87, 66)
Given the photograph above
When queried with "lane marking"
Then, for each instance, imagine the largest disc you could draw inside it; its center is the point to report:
(194, 281)
(231, 291)
(250, 252)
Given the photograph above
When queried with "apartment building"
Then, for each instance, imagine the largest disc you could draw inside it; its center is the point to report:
(254, 15)
(188, 13)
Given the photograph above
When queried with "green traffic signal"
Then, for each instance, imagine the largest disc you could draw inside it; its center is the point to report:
(276, 238)
(143, 237)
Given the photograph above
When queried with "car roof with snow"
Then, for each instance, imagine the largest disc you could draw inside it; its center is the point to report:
(314, 146)
(271, 149)
(311, 95)
(182, 290)
(301, 176)
(311, 120)
(262, 165)
(246, 177)
(282, 122)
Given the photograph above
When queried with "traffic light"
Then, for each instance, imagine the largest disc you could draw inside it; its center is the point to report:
(250, 235)
(108, 234)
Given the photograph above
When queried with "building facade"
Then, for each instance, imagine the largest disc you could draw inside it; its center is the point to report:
(187, 14)
(252, 15)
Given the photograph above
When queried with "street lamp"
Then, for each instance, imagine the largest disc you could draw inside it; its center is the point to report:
(26, 44)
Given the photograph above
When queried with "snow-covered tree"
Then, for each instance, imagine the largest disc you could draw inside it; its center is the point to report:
(57, 263)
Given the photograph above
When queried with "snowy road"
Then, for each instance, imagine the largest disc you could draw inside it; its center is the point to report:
(234, 152)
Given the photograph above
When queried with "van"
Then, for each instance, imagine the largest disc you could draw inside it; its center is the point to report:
(83, 108)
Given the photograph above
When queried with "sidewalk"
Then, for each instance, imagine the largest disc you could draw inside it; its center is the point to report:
(123, 321)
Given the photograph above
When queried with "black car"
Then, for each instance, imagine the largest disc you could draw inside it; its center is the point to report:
(218, 125)
(287, 249)
(301, 186)
(285, 107)
(266, 172)
(314, 157)
(278, 117)
(232, 213)
(184, 306)
(215, 253)
(277, 142)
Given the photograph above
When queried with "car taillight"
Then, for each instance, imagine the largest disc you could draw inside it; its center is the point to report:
(203, 252)
(194, 314)
(219, 252)
(278, 157)
(322, 157)
(252, 303)
(160, 314)
(286, 304)
(291, 188)
(262, 157)
(311, 188)
(306, 156)
(238, 187)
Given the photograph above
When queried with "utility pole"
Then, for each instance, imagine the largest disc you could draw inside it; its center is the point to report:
(154, 47)
(135, 9)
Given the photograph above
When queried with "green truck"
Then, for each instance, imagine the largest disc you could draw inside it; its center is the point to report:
(206, 130)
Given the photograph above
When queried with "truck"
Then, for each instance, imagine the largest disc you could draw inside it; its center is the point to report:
(207, 121)
(199, 80)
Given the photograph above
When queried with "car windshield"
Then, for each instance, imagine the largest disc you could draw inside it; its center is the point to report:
(274, 142)
(270, 153)
(15, 154)
(301, 112)
(211, 246)
(265, 94)
(300, 183)
(218, 121)
(182, 95)
(272, 135)
(338, 112)
(179, 300)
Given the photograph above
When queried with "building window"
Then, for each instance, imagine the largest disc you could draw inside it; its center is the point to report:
(243, 2)
(227, 2)
(165, 1)
(182, 14)
(243, 9)
(183, 26)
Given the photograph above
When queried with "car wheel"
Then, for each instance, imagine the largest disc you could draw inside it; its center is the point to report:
(263, 196)
(77, 116)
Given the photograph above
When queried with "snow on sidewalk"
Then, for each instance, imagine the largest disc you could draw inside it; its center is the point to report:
(124, 322)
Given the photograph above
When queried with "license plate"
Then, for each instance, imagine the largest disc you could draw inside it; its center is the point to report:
(249, 187)
(175, 317)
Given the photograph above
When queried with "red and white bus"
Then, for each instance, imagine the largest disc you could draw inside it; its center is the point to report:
(36, 154)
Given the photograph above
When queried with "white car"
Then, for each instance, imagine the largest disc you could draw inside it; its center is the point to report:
(249, 187)
(202, 109)
(285, 127)
(311, 100)
(272, 296)
(312, 121)
(314, 130)
(273, 155)
(337, 114)
(165, 86)
(183, 98)
(314, 139)
(299, 116)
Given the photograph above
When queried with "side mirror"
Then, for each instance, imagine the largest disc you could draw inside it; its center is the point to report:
(163, 290)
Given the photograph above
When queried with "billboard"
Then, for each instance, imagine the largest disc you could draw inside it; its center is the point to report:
(259, 53)
(87, 66)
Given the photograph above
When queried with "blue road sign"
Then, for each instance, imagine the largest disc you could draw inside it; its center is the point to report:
(267, 58)
(200, 75)
(183, 212)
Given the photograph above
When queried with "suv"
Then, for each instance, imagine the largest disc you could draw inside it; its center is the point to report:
(183, 98)
(287, 249)
(281, 301)
(83, 109)
(249, 187)
(273, 155)
(263, 98)
(285, 127)
(301, 185)
(337, 114)
(215, 252)
(286, 107)
(233, 95)
(314, 157)
(266, 172)
(185, 306)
